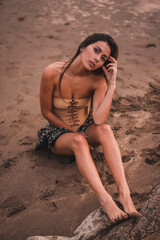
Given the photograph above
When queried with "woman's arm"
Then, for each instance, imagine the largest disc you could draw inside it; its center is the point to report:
(102, 104)
(48, 83)
(101, 100)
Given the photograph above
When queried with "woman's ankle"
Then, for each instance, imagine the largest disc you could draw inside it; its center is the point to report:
(104, 199)
(124, 191)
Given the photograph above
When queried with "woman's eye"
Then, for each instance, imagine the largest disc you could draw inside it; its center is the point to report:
(103, 59)
(96, 50)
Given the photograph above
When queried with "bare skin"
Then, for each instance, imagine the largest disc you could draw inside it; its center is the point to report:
(76, 143)
(78, 82)
(104, 136)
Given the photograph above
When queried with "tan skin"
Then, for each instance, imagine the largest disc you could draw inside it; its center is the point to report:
(80, 82)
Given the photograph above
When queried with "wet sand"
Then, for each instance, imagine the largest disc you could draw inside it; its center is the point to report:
(41, 196)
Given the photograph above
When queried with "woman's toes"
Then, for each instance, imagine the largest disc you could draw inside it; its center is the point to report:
(125, 216)
(117, 220)
(120, 218)
(113, 220)
(134, 214)
(128, 206)
(138, 214)
(131, 215)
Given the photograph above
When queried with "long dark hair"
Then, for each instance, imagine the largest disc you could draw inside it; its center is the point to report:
(95, 37)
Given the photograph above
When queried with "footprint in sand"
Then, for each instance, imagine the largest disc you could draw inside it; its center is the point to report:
(126, 104)
(47, 194)
(152, 156)
(9, 162)
(52, 205)
(129, 131)
(128, 157)
(26, 141)
(139, 197)
(15, 209)
(110, 178)
(11, 206)
(97, 156)
(132, 140)
(115, 129)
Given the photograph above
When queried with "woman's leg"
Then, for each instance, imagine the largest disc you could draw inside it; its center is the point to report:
(104, 135)
(76, 143)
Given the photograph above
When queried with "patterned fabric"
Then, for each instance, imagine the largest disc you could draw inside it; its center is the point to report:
(48, 135)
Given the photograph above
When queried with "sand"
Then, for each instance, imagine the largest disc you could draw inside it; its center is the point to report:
(41, 196)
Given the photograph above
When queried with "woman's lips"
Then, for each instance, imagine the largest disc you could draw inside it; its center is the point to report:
(91, 64)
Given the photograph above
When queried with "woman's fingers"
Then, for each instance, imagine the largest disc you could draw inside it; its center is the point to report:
(110, 68)
(112, 59)
(110, 64)
(104, 69)
(113, 63)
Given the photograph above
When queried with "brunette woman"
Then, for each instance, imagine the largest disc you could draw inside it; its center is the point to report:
(75, 98)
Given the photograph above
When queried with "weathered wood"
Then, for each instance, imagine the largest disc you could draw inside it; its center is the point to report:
(98, 226)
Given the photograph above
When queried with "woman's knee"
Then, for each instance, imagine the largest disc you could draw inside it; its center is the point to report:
(104, 130)
(79, 142)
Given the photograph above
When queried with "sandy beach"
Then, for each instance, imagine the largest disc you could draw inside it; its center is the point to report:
(41, 196)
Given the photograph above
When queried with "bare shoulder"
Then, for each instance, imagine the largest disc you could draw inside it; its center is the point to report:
(100, 82)
(52, 71)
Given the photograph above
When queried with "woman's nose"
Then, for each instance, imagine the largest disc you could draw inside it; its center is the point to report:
(96, 59)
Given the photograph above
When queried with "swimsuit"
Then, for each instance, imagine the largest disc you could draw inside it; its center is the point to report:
(76, 113)
(73, 112)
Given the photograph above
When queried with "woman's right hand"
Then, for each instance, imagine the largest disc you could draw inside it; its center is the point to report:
(111, 72)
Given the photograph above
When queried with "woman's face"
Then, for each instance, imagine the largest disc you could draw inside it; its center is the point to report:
(95, 55)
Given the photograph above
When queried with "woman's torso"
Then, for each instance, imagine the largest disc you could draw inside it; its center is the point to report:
(73, 112)
(73, 103)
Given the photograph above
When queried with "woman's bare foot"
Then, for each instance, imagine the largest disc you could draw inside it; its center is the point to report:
(126, 201)
(112, 210)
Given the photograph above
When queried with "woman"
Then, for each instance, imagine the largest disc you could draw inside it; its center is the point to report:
(67, 93)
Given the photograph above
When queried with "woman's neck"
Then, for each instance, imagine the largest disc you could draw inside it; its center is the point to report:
(77, 68)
